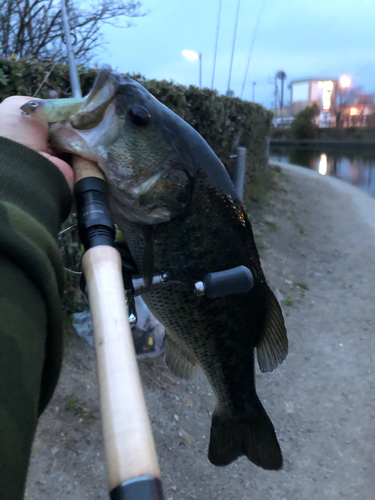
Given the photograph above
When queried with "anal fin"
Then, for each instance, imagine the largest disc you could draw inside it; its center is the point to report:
(179, 360)
(272, 348)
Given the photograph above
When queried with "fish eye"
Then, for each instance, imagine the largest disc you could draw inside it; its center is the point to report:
(34, 104)
(140, 116)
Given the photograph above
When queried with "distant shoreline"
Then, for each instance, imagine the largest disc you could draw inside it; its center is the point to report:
(312, 143)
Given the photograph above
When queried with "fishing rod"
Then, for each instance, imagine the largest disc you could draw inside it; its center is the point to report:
(132, 466)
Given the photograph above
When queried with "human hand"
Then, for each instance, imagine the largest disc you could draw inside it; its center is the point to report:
(32, 133)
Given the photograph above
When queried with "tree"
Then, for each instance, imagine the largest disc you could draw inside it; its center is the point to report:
(302, 126)
(348, 96)
(281, 75)
(33, 28)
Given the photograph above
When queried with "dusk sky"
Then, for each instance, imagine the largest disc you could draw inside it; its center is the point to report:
(304, 38)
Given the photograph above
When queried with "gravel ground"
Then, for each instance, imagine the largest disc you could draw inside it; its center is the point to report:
(320, 259)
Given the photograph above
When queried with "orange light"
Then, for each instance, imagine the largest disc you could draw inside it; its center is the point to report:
(345, 81)
(353, 111)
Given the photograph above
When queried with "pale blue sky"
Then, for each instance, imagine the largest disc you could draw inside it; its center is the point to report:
(305, 38)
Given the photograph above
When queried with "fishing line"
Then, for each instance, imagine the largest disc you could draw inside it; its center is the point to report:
(216, 44)
(67, 229)
(73, 272)
(46, 77)
(252, 45)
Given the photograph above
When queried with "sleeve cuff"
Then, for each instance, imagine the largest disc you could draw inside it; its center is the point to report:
(34, 184)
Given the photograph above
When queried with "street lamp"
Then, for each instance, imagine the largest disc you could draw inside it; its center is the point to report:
(194, 56)
(345, 81)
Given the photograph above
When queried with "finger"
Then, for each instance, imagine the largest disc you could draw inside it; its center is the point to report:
(66, 170)
(15, 125)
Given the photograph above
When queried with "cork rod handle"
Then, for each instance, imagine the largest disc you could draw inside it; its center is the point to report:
(128, 440)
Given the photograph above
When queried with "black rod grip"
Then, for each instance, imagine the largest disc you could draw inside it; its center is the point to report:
(95, 223)
(140, 488)
(232, 281)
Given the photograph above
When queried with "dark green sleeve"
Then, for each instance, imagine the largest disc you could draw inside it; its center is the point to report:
(34, 201)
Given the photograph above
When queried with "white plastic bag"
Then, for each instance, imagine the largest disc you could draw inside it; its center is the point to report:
(148, 333)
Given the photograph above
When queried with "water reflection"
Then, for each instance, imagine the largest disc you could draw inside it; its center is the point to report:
(352, 165)
(322, 164)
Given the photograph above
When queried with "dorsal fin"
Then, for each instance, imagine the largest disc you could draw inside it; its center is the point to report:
(272, 347)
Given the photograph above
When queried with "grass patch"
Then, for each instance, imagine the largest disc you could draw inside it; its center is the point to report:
(74, 406)
(259, 243)
(288, 302)
(277, 171)
(272, 225)
(301, 285)
(298, 226)
(258, 190)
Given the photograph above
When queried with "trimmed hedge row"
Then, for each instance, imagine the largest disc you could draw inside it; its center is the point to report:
(225, 123)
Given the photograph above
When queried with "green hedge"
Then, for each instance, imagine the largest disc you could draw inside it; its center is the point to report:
(225, 123)
(246, 125)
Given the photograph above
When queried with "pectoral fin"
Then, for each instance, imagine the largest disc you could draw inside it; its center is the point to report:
(272, 347)
(168, 191)
(148, 255)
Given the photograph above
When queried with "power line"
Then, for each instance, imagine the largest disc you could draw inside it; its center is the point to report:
(234, 44)
(252, 45)
(216, 44)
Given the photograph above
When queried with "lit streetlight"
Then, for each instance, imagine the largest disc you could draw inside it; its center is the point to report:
(345, 81)
(194, 56)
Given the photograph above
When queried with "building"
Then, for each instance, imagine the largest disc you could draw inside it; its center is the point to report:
(319, 91)
(358, 114)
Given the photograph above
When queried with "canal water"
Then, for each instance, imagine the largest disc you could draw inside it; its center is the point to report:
(356, 166)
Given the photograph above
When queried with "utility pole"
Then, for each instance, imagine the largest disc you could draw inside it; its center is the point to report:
(216, 44)
(200, 70)
(254, 83)
(234, 43)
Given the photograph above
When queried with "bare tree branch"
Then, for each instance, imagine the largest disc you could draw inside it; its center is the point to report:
(33, 28)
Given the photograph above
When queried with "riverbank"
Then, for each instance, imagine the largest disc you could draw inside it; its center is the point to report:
(337, 137)
(318, 144)
(317, 242)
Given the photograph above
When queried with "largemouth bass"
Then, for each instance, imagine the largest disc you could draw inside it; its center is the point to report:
(179, 212)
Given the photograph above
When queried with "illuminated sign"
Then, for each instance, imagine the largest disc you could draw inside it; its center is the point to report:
(327, 89)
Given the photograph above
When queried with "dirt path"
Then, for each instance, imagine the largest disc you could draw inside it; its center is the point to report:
(320, 258)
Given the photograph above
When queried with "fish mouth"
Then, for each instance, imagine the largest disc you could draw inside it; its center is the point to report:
(101, 96)
(81, 133)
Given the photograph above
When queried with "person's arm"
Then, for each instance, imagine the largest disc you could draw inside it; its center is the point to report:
(35, 198)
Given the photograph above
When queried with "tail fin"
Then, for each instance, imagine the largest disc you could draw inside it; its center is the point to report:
(253, 436)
